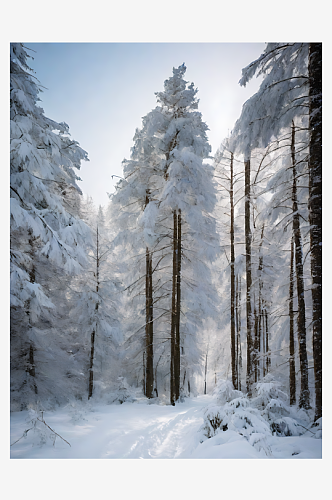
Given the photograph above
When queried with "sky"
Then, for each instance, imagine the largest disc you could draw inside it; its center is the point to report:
(102, 91)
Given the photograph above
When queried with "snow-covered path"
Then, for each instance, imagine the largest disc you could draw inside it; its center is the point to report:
(134, 430)
(115, 431)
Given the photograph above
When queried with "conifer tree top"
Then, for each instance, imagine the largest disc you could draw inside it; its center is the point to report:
(176, 94)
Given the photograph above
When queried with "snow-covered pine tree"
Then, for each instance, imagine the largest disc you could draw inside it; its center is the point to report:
(176, 224)
(294, 77)
(281, 99)
(187, 197)
(94, 304)
(228, 177)
(46, 234)
(133, 213)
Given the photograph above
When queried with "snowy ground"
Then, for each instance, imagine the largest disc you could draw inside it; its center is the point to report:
(141, 430)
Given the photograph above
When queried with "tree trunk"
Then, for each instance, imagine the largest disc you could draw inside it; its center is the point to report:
(173, 315)
(144, 373)
(301, 327)
(92, 351)
(233, 342)
(93, 333)
(206, 356)
(149, 327)
(260, 341)
(268, 359)
(292, 381)
(248, 274)
(178, 309)
(238, 332)
(263, 340)
(315, 211)
(32, 276)
(255, 354)
(155, 377)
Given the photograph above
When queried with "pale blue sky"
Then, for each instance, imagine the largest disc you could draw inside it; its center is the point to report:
(102, 90)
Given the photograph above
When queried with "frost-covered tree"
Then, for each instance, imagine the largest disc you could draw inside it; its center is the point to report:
(281, 100)
(165, 200)
(46, 233)
(228, 178)
(133, 210)
(188, 197)
(293, 88)
(94, 309)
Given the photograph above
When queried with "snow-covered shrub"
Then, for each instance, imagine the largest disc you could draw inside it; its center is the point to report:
(267, 413)
(267, 390)
(224, 392)
(124, 393)
(286, 426)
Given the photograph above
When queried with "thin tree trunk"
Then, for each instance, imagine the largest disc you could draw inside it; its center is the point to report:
(144, 391)
(315, 211)
(292, 381)
(93, 333)
(206, 357)
(239, 350)
(92, 351)
(31, 364)
(233, 348)
(263, 340)
(248, 275)
(237, 329)
(178, 309)
(149, 327)
(301, 328)
(255, 354)
(155, 376)
(260, 345)
(31, 369)
(173, 315)
(268, 359)
(151, 322)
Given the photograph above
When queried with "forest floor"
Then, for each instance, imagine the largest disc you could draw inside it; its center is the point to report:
(141, 430)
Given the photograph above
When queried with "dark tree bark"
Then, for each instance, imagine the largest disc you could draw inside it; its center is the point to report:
(238, 332)
(248, 275)
(292, 380)
(149, 327)
(173, 315)
(31, 369)
(92, 351)
(315, 211)
(301, 327)
(233, 342)
(144, 373)
(206, 358)
(93, 333)
(268, 360)
(176, 308)
(256, 349)
(265, 339)
(155, 377)
(260, 341)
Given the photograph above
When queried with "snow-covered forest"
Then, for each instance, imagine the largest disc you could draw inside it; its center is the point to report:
(184, 318)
